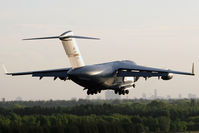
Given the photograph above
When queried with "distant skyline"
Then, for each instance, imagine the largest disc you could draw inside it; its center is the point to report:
(154, 33)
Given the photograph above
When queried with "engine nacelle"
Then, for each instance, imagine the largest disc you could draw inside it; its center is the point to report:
(168, 77)
(62, 78)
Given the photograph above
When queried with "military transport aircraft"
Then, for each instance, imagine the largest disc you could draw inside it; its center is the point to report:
(97, 77)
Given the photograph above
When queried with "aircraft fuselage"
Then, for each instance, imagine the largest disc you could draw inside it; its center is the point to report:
(100, 76)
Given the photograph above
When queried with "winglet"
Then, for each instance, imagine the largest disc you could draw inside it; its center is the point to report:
(193, 73)
(4, 68)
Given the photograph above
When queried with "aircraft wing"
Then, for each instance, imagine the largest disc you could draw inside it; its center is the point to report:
(142, 71)
(56, 73)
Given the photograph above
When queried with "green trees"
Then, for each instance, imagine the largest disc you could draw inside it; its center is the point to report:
(164, 123)
(126, 116)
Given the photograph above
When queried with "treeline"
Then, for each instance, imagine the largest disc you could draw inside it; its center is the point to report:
(102, 116)
(69, 103)
(74, 102)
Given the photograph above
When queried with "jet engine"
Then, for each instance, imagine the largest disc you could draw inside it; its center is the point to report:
(62, 78)
(168, 77)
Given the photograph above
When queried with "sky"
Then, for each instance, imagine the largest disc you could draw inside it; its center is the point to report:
(162, 34)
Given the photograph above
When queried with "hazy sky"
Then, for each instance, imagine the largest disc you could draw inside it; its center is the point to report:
(163, 34)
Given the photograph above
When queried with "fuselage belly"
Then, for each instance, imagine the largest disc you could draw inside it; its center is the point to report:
(99, 76)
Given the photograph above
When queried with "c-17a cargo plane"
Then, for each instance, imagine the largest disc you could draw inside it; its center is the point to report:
(98, 77)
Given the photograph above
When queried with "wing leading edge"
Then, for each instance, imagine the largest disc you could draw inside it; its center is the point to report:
(142, 71)
(56, 73)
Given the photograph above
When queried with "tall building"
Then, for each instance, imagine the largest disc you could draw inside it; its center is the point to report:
(109, 94)
(87, 97)
(192, 96)
(168, 97)
(155, 94)
(180, 96)
(3, 99)
(18, 98)
(143, 95)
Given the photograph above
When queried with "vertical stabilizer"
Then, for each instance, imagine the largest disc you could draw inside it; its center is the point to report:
(72, 50)
(70, 46)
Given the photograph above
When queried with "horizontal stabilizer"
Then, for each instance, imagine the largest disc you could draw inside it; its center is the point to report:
(82, 37)
(62, 37)
(52, 37)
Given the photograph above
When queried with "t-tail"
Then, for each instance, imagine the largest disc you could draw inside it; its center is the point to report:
(70, 47)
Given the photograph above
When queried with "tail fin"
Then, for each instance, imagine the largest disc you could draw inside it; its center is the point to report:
(193, 71)
(4, 69)
(70, 47)
(72, 50)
